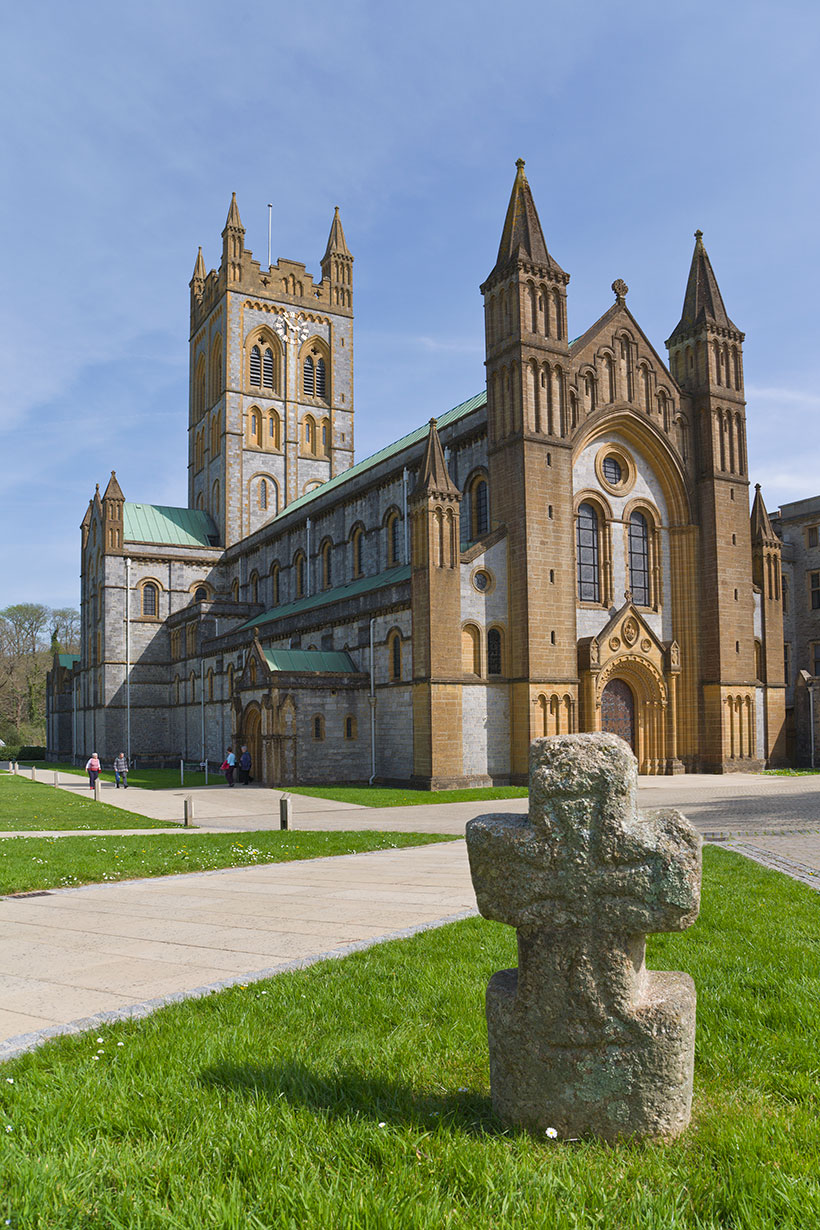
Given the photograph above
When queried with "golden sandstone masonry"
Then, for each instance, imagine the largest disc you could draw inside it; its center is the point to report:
(569, 550)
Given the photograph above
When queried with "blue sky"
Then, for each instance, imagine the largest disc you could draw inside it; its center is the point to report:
(127, 128)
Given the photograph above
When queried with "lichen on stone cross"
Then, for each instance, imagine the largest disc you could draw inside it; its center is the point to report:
(583, 1038)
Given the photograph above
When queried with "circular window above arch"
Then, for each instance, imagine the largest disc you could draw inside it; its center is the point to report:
(483, 581)
(615, 469)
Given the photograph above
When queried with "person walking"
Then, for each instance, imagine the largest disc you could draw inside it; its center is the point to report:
(121, 770)
(245, 766)
(228, 766)
(93, 768)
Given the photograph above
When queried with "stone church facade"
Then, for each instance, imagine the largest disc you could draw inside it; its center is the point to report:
(570, 550)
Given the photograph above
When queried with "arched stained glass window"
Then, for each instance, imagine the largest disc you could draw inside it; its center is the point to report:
(589, 582)
(481, 496)
(494, 652)
(639, 559)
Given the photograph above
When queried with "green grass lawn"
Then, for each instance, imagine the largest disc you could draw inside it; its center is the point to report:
(790, 772)
(355, 1094)
(31, 863)
(147, 779)
(32, 805)
(386, 796)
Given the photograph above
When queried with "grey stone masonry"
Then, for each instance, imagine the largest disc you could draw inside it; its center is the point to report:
(583, 1039)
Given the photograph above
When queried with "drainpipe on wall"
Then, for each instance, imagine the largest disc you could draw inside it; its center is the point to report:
(372, 707)
(811, 720)
(128, 660)
(308, 560)
(202, 707)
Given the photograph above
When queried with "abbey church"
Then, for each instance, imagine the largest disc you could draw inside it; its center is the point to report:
(571, 549)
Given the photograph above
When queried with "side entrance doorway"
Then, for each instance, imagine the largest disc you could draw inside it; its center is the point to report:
(252, 738)
(618, 711)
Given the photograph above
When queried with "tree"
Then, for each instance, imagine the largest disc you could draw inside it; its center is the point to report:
(25, 657)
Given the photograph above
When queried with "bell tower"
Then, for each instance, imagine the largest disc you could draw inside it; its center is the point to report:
(530, 462)
(271, 380)
(706, 356)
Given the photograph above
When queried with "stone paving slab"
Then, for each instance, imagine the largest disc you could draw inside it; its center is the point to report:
(76, 957)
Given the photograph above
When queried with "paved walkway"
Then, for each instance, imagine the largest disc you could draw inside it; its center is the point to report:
(76, 958)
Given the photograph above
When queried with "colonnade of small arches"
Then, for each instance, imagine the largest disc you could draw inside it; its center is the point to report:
(720, 361)
(556, 713)
(740, 728)
(730, 441)
(534, 307)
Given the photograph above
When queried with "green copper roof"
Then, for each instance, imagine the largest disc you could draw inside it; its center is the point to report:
(414, 437)
(176, 527)
(362, 586)
(326, 661)
(68, 659)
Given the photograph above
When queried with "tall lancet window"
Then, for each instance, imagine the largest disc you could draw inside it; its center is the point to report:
(639, 559)
(321, 381)
(267, 368)
(589, 580)
(309, 377)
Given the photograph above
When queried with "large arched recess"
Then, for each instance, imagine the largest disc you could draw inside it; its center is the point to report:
(652, 444)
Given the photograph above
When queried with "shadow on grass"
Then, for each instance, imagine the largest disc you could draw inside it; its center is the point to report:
(352, 1093)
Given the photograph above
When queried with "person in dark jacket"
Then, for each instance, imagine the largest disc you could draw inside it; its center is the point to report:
(245, 766)
(121, 770)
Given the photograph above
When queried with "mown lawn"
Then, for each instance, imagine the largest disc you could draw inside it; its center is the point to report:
(31, 863)
(33, 805)
(386, 796)
(365, 796)
(147, 779)
(355, 1094)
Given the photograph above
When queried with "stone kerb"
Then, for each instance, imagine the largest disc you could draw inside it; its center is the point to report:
(583, 1038)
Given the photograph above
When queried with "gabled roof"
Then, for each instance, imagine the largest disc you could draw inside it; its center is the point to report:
(326, 662)
(364, 585)
(606, 322)
(392, 450)
(163, 526)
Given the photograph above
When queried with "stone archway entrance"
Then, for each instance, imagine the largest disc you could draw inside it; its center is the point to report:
(252, 738)
(618, 711)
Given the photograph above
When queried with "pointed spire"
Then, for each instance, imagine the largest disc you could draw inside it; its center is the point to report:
(703, 302)
(233, 221)
(113, 491)
(336, 239)
(199, 269)
(434, 477)
(522, 239)
(762, 531)
(97, 502)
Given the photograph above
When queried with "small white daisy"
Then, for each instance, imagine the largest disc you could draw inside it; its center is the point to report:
(551, 1132)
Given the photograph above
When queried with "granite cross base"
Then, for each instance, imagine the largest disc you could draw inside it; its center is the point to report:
(584, 1039)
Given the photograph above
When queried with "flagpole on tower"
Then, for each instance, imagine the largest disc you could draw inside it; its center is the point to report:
(270, 215)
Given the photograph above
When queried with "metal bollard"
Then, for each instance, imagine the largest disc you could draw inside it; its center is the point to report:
(97, 790)
(189, 811)
(285, 811)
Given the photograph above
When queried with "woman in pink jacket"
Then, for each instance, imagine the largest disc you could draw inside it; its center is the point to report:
(93, 769)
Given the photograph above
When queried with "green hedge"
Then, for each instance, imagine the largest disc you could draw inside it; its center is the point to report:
(14, 752)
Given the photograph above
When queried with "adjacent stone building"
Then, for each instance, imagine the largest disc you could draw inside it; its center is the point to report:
(569, 550)
(797, 527)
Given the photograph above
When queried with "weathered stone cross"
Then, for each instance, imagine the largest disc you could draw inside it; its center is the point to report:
(584, 1039)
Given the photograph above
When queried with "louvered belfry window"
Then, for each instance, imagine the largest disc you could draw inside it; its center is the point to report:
(256, 366)
(309, 380)
(320, 378)
(268, 369)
